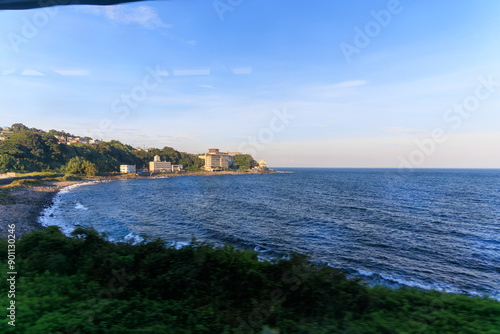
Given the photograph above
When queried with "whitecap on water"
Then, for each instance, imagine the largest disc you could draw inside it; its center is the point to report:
(80, 206)
(134, 238)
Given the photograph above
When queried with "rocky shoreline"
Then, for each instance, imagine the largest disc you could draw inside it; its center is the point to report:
(23, 205)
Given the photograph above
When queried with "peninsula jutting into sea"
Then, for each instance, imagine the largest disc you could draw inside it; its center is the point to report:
(52, 160)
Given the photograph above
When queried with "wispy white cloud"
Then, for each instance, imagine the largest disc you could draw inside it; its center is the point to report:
(336, 90)
(142, 15)
(145, 16)
(9, 71)
(72, 72)
(30, 72)
(192, 72)
(352, 83)
(242, 70)
(207, 86)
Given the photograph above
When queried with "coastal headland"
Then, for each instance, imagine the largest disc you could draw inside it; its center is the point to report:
(35, 164)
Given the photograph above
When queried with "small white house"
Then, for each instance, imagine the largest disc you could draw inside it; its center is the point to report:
(126, 169)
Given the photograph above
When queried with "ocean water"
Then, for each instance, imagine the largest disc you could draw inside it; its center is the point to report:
(436, 229)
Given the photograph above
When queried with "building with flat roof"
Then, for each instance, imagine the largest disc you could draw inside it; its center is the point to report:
(158, 166)
(127, 169)
(216, 160)
(177, 168)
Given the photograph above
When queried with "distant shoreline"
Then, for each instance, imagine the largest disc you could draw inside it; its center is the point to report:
(24, 205)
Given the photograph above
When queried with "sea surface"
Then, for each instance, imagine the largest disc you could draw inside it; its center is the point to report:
(435, 229)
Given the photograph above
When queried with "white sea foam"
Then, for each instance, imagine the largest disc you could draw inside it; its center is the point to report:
(364, 272)
(45, 218)
(134, 238)
(286, 256)
(76, 185)
(180, 244)
(80, 206)
(396, 282)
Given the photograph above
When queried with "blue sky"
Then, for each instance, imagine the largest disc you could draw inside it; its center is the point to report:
(270, 78)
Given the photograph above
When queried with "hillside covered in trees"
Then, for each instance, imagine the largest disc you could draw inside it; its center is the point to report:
(33, 150)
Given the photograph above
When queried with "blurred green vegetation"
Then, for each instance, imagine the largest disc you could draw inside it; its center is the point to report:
(85, 284)
(25, 182)
(47, 174)
(79, 165)
(245, 161)
(68, 178)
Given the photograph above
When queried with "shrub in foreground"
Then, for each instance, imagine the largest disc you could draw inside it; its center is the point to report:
(85, 284)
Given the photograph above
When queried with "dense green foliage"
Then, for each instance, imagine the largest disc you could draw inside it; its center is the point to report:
(26, 150)
(32, 150)
(245, 161)
(85, 284)
(78, 165)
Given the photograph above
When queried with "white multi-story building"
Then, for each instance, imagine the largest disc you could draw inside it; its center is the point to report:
(216, 160)
(158, 166)
(127, 169)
